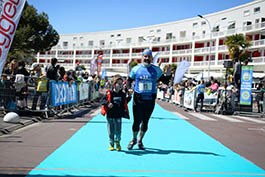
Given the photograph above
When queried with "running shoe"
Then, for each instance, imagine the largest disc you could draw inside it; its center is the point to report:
(118, 146)
(111, 147)
(141, 146)
(131, 144)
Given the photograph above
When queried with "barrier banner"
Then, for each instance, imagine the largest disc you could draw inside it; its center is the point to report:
(10, 13)
(62, 93)
(83, 91)
(246, 85)
(189, 99)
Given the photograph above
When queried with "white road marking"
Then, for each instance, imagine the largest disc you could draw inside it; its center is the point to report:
(250, 119)
(227, 118)
(181, 115)
(202, 116)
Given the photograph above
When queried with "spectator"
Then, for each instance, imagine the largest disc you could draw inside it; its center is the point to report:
(51, 70)
(214, 86)
(200, 95)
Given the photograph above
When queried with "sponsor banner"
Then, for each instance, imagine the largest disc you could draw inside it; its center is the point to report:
(177, 98)
(83, 91)
(189, 99)
(62, 93)
(246, 85)
(10, 13)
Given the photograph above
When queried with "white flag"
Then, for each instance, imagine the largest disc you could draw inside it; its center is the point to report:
(180, 71)
(129, 66)
(10, 13)
(93, 66)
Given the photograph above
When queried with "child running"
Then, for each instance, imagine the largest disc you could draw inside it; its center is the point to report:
(115, 107)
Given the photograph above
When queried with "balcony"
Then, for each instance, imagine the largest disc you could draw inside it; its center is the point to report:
(136, 54)
(258, 60)
(182, 52)
(121, 65)
(222, 47)
(258, 43)
(121, 55)
(203, 63)
(65, 56)
(204, 49)
(83, 56)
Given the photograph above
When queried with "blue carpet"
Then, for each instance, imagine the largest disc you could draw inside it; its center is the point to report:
(174, 148)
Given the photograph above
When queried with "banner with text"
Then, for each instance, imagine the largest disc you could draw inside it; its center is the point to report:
(63, 93)
(10, 13)
(246, 85)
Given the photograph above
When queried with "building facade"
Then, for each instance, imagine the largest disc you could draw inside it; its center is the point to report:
(197, 40)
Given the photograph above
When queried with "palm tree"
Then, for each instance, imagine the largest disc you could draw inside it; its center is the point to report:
(237, 47)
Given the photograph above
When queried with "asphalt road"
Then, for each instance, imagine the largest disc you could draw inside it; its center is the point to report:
(26, 148)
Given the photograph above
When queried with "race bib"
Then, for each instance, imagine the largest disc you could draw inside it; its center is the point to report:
(145, 86)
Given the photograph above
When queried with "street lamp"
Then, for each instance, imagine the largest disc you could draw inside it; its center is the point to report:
(210, 57)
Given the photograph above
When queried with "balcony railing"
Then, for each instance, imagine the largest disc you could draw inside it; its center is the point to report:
(84, 56)
(186, 51)
(121, 55)
(258, 42)
(256, 60)
(204, 49)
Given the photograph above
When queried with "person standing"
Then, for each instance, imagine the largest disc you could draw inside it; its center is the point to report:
(115, 107)
(145, 76)
(200, 95)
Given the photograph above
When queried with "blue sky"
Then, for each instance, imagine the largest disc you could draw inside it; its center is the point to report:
(80, 16)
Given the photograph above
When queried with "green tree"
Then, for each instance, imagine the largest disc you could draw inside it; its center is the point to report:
(132, 64)
(237, 47)
(34, 34)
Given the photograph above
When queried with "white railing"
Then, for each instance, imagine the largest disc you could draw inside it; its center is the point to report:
(222, 47)
(258, 60)
(121, 55)
(164, 53)
(220, 62)
(258, 42)
(137, 54)
(65, 56)
(119, 65)
(83, 56)
(186, 51)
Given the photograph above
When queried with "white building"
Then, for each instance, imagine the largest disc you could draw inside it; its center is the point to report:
(188, 39)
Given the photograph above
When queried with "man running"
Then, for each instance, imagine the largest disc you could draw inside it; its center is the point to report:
(145, 76)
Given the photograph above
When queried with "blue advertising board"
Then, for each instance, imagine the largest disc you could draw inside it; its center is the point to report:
(246, 85)
(62, 93)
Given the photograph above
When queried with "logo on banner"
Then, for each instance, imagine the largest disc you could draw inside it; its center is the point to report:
(9, 17)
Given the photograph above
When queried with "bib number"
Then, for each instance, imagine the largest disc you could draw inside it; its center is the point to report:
(145, 86)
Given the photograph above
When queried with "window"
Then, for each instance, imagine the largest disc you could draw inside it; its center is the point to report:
(128, 40)
(216, 28)
(74, 44)
(182, 34)
(158, 39)
(193, 34)
(90, 43)
(81, 38)
(169, 36)
(118, 35)
(256, 10)
(74, 38)
(257, 20)
(158, 30)
(195, 25)
(102, 42)
(112, 35)
(82, 44)
(151, 31)
(231, 25)
(203, 32)
(141, 39)
(203, 23)
(246, 13)
(65, 44)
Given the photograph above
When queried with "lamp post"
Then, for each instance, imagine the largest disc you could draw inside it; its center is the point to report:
(210, 57)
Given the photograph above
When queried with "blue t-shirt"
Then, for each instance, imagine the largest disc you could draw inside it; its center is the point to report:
(145, 78)
(200, 88)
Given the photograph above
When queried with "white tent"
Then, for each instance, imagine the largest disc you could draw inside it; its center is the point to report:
(204, 75)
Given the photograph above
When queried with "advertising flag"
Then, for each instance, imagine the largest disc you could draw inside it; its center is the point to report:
(128, 66)
(180, 71)
(155, 58)
(93, 66)
(10, 13)
(246, 85)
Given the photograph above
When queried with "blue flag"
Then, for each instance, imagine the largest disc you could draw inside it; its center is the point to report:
(155, 58)
(104, 73)
(180, 71)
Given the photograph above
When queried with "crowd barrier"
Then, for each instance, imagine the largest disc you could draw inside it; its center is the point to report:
(213, 101)
(41, 95)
